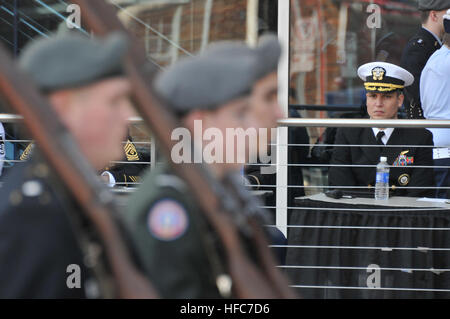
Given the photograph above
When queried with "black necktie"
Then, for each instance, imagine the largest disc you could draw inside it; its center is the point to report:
(379, 137)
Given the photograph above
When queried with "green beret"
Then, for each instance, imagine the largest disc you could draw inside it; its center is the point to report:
(224, 72)
(72, 60)
(268, 53)
(436, 5)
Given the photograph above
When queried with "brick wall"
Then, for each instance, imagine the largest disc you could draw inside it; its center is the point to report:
(227, 22)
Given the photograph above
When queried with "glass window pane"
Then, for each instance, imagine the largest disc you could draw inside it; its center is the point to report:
(173, 29)
(330, 39)
(169, 29)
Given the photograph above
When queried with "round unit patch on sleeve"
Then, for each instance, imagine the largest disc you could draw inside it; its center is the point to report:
(167, 220)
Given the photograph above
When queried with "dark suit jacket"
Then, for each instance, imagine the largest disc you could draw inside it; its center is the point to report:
(364, 176)
(415, 55)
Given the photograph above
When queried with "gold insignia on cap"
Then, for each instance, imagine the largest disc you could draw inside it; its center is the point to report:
(404, 152)
(378, 73)
(131, 152)
(382, 87)
(404, 179)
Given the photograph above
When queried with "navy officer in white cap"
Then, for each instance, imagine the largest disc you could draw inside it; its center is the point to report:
(384, 84)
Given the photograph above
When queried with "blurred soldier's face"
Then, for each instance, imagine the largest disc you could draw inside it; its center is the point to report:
(264, 101)
(266, 110)
(384, 105)
(218, 130)
(97, 115)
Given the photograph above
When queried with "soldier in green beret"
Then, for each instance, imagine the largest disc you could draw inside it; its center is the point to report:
(39, 248)
(228, 86)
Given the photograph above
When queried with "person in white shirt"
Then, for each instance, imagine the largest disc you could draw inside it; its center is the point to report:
(420, 47)
(435, 98)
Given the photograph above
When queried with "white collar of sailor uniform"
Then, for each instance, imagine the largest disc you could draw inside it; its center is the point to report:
(387, 133)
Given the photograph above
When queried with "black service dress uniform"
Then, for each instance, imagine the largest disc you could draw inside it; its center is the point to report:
(402, 157)
(414, 58)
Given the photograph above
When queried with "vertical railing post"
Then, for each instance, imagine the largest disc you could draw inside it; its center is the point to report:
(283, 96)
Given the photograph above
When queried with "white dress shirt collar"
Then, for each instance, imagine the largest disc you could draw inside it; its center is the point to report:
(387, 133)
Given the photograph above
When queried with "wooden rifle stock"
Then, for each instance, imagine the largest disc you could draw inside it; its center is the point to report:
(256, 217)
(62, 153)
(249, 281)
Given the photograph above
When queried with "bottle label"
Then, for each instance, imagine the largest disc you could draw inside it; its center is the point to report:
(382, 177)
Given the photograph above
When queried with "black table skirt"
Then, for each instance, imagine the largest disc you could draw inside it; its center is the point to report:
(403, 259)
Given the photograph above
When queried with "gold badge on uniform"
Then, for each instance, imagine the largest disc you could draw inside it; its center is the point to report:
(131, 152)
(378, 73)
(404, 179)
(26, 153)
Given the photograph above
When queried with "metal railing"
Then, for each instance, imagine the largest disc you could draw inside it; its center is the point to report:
(319, 122)
(304, 245)
(311, 122)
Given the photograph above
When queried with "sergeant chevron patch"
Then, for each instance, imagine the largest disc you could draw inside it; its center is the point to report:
(131, 152)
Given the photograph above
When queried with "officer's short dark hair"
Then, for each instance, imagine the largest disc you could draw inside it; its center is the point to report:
(424, 15)
(397, 92)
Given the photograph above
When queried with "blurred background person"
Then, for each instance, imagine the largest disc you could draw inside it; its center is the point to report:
(127, 173)
(419, 49)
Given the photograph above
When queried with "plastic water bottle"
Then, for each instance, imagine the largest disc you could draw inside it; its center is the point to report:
(382, 180)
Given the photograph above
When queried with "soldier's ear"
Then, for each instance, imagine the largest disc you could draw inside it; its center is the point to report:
(434, 15)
